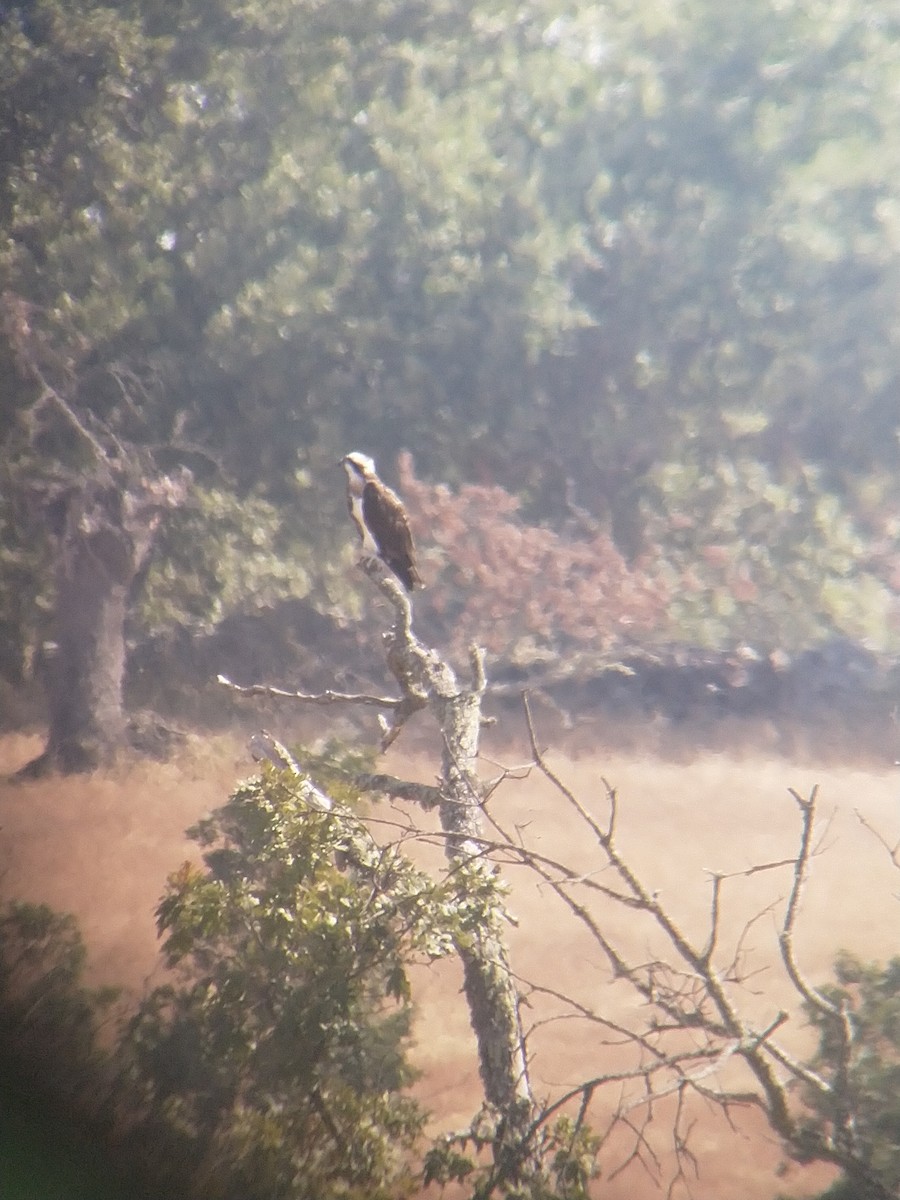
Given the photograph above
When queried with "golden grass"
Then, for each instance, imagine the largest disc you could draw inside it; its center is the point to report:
(101, 847)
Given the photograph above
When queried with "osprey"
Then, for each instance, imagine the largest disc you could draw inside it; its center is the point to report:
(381, 519)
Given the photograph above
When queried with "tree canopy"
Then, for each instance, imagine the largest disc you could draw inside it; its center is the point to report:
(644, 260)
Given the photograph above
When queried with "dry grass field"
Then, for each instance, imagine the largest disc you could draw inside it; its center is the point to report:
(101, 847)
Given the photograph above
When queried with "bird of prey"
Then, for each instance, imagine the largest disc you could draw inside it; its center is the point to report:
(381, 519)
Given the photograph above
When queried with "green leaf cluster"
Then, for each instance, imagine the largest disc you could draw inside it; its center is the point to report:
(51, 1018)
(277, 1061)
(214, 552)
(871, 1088)
(566, 1151)
(754, 556)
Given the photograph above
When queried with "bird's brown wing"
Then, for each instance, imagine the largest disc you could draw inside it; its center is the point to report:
(388, 524)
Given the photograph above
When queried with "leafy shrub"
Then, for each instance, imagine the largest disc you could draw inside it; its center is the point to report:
(50, 1019)
(276, 1060)
(871, 994)
(519, 589)
(750, 557)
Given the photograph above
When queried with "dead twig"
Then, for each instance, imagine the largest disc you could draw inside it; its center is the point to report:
(326, 697)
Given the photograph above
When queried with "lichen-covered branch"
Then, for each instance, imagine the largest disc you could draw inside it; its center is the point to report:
(427, 680)
(425, 795)
(327, 697)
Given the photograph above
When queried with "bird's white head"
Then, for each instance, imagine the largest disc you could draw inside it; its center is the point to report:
(358, 465)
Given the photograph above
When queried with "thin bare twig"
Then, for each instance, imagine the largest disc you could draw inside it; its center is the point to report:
(695, 998)
(813, 997)
(892, 851)
(326, 697)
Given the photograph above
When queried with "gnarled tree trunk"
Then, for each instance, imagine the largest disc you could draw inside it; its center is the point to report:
(428, 680)
(104, 498)
(106, 535)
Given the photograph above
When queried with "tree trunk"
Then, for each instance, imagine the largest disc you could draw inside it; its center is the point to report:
(87, 717)
(428, 680)
(107, 533)
(490, 992)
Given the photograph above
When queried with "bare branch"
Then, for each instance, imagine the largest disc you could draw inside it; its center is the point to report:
(694, 995)
(72, 417)
(35, 356)
(786, 937)
(715, 913)
(892, 851)
(426, 679)
(426, 795)
(326, 697)
(542, 765)
(476, 663)
(759, 868)
(264, 746)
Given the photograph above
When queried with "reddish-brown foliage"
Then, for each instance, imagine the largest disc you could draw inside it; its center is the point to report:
(514, 587)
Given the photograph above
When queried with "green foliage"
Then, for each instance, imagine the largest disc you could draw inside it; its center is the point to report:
(534, 244)
(51, 1019)
(871, 993)
(244, 237)
(60, 1082)
(738, 229)
(25, 576)
(278, 1058)
(216, 551)
(751, 556)
(692, 159)
(571, 1151)
(566, 1152)
(333, 762)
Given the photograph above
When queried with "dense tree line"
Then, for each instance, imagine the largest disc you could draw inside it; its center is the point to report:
(638, 265)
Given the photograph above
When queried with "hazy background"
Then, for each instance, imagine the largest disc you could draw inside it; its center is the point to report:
(611, 294)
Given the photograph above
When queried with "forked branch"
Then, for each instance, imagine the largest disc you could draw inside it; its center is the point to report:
(697, 1031)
